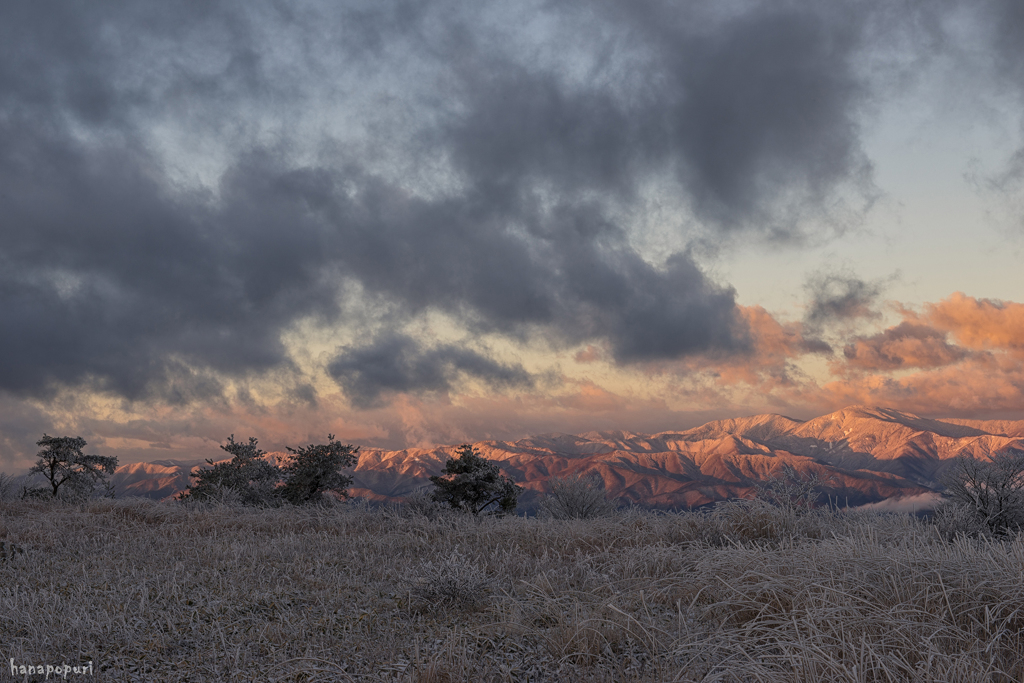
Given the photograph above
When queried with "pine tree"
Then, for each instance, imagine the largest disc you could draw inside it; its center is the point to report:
(64, 465)
(472, 484)
(250, 476)
(314, 470)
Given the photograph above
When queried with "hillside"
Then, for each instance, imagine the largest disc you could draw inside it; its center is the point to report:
(160, 592)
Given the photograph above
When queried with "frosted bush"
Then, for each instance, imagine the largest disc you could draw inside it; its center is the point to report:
(577, 497)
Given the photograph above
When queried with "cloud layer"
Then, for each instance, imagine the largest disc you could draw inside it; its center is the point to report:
(183, 184)
(964, 356)
(187, 187)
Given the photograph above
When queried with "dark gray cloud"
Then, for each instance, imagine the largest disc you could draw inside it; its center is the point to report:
(768, 110)
(400, 364)
(429, 153)
(106, 279)
(839, 296)
(755, 116)
(1008, 26)
(1008, 23)
(21, 425)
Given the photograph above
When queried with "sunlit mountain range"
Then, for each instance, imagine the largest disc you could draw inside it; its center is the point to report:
(866, 455)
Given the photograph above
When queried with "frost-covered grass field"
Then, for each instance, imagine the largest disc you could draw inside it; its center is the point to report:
(167, 592)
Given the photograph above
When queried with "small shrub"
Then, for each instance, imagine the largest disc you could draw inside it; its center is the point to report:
(454, 582)
(6, 486)
(34, 493)
(472, 484)
(577, 497)
(791, 491)
(421, 504)
(214, 497)
(952, 519)
(760, 523)
(749, 521)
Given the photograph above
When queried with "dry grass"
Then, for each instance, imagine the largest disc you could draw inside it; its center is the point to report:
(163, 591)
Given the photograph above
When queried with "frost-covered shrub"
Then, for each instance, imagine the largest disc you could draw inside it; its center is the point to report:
(985, 497)
(577, 497)
(453, 582)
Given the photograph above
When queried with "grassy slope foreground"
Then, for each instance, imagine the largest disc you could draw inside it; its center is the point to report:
(162, 591)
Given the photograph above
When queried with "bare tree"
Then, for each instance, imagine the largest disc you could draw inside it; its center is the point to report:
(991, 491)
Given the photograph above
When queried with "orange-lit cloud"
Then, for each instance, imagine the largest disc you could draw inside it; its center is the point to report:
(986, 385)
(962, 356)
(979, 323)
(774, 346)
(590, 354)
(908, 345)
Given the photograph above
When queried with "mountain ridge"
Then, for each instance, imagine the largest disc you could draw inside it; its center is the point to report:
(864, 454)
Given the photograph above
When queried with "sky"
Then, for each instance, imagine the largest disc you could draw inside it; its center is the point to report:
(442, 221)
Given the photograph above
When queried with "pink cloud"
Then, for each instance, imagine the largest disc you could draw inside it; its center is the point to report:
(979, 323)
(774, 346)
(591, 354)
(908, 345)
(962, 357)
(984, 385)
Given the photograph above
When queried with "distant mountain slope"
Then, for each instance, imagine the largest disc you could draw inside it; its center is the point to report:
(866, 454)
(158, 479)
